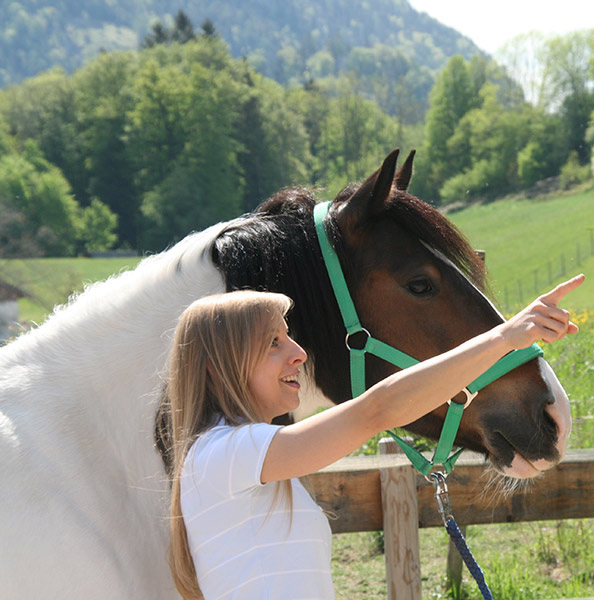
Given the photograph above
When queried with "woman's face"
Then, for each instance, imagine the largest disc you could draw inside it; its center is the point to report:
(273, 381)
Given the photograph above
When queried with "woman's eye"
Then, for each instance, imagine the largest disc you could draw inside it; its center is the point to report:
(419, 287)
(275, 342)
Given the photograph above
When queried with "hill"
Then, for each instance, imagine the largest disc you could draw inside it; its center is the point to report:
(289, 40)
(532, 245)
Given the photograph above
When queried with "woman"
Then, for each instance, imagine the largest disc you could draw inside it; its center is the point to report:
(242, 525)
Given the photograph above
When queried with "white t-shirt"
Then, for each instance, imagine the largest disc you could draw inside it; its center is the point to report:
(245, 545)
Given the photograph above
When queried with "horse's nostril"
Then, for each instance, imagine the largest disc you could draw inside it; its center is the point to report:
(549, 423)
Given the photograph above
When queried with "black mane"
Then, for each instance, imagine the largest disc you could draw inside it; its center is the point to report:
(276, 249)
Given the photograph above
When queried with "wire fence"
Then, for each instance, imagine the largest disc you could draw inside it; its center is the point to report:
(515, 295)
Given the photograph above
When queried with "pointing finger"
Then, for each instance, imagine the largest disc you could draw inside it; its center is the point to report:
(556, 295)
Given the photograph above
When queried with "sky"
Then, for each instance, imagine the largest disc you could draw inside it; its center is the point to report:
(491, 24)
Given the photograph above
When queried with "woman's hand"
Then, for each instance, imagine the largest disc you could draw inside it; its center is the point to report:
(543, 319)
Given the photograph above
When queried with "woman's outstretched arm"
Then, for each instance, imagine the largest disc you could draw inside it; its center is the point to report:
(404, 397)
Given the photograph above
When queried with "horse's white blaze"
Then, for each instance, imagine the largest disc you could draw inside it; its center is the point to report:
(559, 411)
(84, 502)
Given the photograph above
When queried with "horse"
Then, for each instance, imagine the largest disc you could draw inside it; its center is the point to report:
(84, 503)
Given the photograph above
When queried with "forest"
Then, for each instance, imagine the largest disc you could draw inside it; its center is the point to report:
(137, 148)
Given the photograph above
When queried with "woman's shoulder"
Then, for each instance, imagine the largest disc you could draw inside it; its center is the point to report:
(225, 438)
(233, 454)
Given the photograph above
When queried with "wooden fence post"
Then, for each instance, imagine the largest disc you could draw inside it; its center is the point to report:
(401, 527)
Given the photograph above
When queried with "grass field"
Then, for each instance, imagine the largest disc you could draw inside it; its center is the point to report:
(530, 245)
(533, 244)
(50, 281)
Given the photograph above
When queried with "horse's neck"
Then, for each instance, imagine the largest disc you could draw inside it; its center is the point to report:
(101, 357)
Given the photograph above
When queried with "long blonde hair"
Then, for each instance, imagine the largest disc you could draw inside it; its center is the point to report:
(218, 342)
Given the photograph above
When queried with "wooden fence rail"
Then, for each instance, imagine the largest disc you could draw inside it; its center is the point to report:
(371, 493)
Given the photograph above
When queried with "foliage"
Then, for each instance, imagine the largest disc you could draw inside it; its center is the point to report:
(572, 173)
(389, 44)
(483, 141)
(40, 215)
(176, 137)
(98, 226)
(181, 32)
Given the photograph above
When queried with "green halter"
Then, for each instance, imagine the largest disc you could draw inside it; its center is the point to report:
(400, 359)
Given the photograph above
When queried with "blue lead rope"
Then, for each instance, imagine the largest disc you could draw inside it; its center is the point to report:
(469, 560)
(444, 506)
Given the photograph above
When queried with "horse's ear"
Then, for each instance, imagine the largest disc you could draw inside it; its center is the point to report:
(404, 173)
(371, 195)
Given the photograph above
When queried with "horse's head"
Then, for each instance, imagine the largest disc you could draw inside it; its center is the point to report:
(417, 285)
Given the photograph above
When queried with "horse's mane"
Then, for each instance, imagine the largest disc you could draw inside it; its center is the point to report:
(276, 249)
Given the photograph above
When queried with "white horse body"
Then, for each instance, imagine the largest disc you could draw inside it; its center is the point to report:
(83, 508)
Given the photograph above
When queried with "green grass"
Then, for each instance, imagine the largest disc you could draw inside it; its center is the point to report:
(531, 245)
(50, 281)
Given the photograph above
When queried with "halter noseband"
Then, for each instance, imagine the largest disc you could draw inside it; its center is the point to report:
(400, 359)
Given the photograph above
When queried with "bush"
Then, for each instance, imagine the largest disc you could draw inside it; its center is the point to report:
(573, 173)
(471, 184)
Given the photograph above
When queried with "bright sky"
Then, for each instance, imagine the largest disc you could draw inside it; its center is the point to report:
(490, 24)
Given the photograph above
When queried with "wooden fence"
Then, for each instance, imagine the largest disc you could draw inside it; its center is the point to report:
(370, 493)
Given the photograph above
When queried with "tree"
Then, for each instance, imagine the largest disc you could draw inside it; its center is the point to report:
(182, 31)
(209, 29)
(452, 96)
(556, 75)
(201, 182)
(42, 213)
(528, 62)
(157, 126)
(44, 109)
(103, 101)
(183, 28)
(98, 226)
(494, 136)
(356, 136)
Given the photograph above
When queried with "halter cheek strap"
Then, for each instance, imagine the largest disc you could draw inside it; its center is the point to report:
(403, 361)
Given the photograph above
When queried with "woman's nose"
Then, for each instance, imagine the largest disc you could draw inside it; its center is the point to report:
(299, 355)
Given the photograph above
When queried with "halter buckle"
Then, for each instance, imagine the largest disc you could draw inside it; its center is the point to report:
(470, 396)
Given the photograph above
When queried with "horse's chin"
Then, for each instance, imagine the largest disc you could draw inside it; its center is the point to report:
(522, 468)
(559, 412)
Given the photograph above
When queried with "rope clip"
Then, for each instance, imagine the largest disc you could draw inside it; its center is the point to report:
(442, 496)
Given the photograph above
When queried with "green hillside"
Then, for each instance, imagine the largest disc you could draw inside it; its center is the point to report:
(533, 244)
(50, 281)
(525, 241)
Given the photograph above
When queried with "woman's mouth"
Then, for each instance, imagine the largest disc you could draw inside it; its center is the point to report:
(291, 381)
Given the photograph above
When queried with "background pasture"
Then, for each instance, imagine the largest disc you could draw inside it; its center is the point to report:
(536, 242)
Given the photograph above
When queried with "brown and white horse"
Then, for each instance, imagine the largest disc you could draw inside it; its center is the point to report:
(84, 503)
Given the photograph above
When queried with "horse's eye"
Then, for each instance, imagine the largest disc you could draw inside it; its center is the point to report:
(420, 287)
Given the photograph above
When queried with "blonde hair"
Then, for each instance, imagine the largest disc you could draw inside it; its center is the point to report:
(218, 342)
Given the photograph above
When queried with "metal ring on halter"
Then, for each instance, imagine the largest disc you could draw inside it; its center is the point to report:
(437, 479)
(348, 335)
(470, 396)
